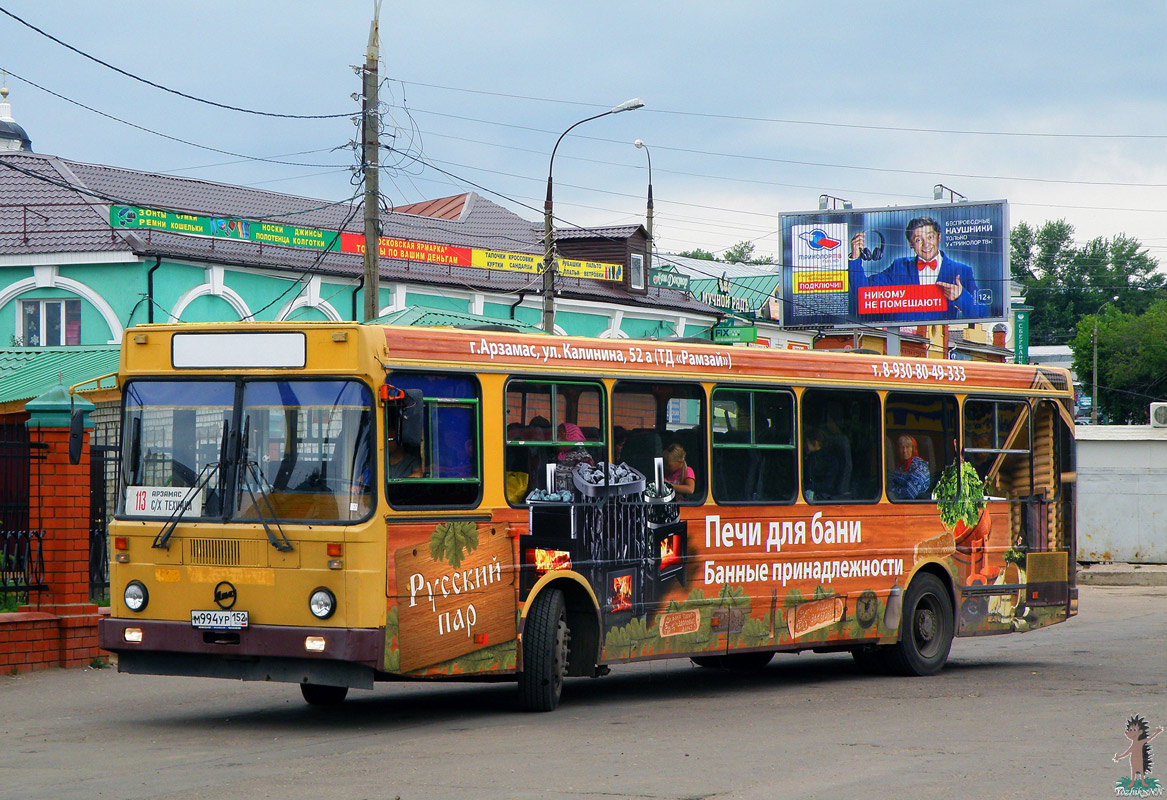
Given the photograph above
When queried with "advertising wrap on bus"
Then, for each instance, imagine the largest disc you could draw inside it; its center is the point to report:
(392, 503)
(940, 263)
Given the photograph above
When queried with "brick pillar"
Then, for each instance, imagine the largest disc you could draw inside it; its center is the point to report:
(60, 490)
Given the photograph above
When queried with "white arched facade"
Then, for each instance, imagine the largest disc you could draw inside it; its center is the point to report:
(46, 277)
(214, 286)
(310, 298)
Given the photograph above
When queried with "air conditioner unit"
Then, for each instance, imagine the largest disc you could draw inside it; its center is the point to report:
(1159, 415)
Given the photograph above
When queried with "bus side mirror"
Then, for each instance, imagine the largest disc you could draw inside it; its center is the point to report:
(76, 435)
(412, 418)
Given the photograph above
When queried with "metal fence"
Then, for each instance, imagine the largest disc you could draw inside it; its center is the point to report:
(103, 466)
(20, 455)
(22, 563)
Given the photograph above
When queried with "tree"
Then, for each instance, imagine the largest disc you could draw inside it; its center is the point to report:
(1064, 283)
(743, 253)
(740, 253)
(1132, 361)
(697, 252)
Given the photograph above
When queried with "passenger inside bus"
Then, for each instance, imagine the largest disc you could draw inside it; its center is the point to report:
(572, 455)
(619, 436)
(911, 477)
(839, 445)
(400, 461)
(820, 467)
(678, 474)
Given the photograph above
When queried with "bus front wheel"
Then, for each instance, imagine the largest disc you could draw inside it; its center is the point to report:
(927, 629)
(546, 640)
(317, 695)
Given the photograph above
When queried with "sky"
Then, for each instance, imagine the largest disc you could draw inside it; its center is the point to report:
(752, 109)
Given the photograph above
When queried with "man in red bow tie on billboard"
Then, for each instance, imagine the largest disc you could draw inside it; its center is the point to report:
(928, 266)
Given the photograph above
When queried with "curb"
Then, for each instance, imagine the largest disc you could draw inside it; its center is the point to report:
(1123, 575)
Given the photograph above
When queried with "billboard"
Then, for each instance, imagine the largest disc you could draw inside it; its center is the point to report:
(928, 264)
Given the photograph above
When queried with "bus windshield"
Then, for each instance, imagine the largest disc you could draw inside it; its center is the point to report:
(305, 453)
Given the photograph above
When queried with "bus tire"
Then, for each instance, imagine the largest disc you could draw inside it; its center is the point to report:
(546, 641)
(317, 695)
(927, 629)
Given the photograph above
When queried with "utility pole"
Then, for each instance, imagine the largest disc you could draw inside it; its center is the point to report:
(371, 158)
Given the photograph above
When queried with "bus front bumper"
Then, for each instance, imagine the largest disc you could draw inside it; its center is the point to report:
(346, 657)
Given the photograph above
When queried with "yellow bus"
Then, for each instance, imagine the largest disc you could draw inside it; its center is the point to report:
(335, 504)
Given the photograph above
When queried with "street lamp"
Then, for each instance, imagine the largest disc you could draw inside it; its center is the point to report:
(640, 145)
(832, 201)
(938, 193)
(1094, 397)
(548, 242)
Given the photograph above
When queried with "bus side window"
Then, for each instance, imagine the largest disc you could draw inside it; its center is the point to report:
(659, 416)
(919, 434)
(997, 443)
(437, 462)
(847, 461)
(753, 446)
(551, 423)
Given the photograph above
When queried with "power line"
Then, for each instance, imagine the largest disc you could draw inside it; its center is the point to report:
(641, 167)
(244, 160)
(85, 190)
(140, 79)
(165, 135)
(932, 174)
(819, 123)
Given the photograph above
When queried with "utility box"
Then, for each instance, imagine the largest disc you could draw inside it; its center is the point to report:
(1122, 493)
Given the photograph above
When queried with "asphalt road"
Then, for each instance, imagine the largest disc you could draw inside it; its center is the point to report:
(1025, 716)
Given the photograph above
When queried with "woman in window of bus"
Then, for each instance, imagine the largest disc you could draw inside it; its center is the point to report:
(677, 473)
(911, 476)
(400, 462)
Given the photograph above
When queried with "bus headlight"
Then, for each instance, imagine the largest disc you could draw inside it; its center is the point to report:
(322, 603)
(136, 596)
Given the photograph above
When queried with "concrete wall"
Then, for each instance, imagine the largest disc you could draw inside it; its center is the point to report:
(1122, 493)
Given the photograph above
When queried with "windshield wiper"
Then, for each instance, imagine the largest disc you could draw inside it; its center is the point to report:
(162, 540)
(251, 468)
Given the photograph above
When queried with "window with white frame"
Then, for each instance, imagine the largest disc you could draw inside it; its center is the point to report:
(49, 322)
(636, 275)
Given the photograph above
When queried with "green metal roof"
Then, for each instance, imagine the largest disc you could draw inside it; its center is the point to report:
(28, 372)
(754, 291)
(429, 318)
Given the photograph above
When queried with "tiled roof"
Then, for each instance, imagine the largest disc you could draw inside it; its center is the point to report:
(612, 232)
(47, 216)
(28, 372)
(443, 207)
(38, 214)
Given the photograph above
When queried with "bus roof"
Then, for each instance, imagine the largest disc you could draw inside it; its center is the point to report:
(500, 351)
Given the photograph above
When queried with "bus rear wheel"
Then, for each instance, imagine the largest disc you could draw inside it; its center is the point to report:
(927, 629)
(546, 640)
(317, 695)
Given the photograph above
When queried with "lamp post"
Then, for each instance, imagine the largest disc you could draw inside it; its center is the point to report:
(548, 241)
(640, 145)
(1094, 396)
